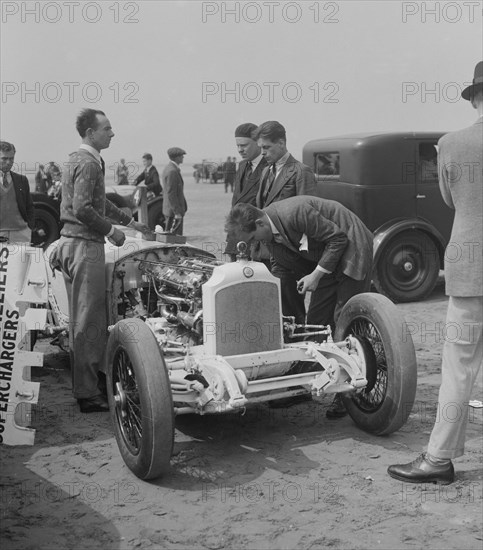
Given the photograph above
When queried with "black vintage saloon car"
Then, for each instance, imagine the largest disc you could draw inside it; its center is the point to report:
(390, 180)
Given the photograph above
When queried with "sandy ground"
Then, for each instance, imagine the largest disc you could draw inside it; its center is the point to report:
(272, 478)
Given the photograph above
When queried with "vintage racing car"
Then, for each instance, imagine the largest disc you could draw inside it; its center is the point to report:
(191, 334)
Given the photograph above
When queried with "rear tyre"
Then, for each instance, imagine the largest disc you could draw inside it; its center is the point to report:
(408, 267)
(386, 402)
(140, 400)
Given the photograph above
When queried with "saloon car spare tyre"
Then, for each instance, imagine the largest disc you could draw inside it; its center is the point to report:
(408, 267)
(46, 229)
(383, 406)
(140, 399)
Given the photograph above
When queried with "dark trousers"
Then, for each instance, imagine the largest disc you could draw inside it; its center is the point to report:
(327, 301)
(83, 267)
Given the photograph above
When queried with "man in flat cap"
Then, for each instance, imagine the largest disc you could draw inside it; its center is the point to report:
(174, 202)
(460, 163)
(247, 178)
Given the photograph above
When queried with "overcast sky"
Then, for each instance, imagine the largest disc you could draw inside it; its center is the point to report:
(163, 71)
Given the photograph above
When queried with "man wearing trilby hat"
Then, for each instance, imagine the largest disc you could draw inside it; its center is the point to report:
(460, 162)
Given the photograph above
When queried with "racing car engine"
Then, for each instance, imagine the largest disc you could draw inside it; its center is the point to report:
(176, 288)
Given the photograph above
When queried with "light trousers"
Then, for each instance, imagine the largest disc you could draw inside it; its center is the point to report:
(462, 359)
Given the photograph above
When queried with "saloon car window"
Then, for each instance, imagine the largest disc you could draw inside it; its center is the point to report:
(428, 161)
(327, 164)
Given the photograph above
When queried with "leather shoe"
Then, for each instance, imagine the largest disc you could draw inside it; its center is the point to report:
(422, 471)
(337, 408)
(93, 404)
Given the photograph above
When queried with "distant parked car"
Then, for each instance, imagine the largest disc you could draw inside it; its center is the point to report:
(390, 181)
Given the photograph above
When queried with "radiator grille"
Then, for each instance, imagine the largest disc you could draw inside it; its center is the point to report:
(248, 318)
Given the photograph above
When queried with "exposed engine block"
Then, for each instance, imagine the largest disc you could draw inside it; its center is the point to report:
(179, 294)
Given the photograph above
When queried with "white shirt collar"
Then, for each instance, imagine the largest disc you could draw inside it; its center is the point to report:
(280, 163)
(256, 161)
(175, 163)
(94, 152)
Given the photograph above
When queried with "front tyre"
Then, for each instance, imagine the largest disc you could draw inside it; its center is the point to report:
(140, 399)
(384, 405)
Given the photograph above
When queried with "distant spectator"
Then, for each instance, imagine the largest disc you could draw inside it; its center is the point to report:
(229, 170)
(150, 176)
(43, 180)
(17, 215)
(122, 172)
(55, 173)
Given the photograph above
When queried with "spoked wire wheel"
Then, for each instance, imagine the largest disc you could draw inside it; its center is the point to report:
(384, 405)
(140, 399)
(127, 403)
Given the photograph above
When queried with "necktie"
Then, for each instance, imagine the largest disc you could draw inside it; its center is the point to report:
(247, 175)
(103, 167)
(269, 181)
(5, 179)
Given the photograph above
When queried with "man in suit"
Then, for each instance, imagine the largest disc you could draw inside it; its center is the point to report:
(282, 178)
(460, 162)
(324, 245)
(150, 176)
(86, 214)
(174, 202)
(247, 177)
(17, 214)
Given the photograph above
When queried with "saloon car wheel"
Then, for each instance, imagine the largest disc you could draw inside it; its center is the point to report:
(46, 229)
(140, 399)
(155, 215)
(384, 405)
(408, 267)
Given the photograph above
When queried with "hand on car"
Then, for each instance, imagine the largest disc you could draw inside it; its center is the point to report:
(117, 238)
(309, 283)
(144, 229)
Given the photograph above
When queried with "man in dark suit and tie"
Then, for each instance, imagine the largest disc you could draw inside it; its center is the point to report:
(283, 177)
(460, 162)
(174, 202)
(150, 176)
(17, 214)
(247, 178)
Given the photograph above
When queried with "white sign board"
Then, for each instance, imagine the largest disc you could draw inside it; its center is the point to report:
(23, 289)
